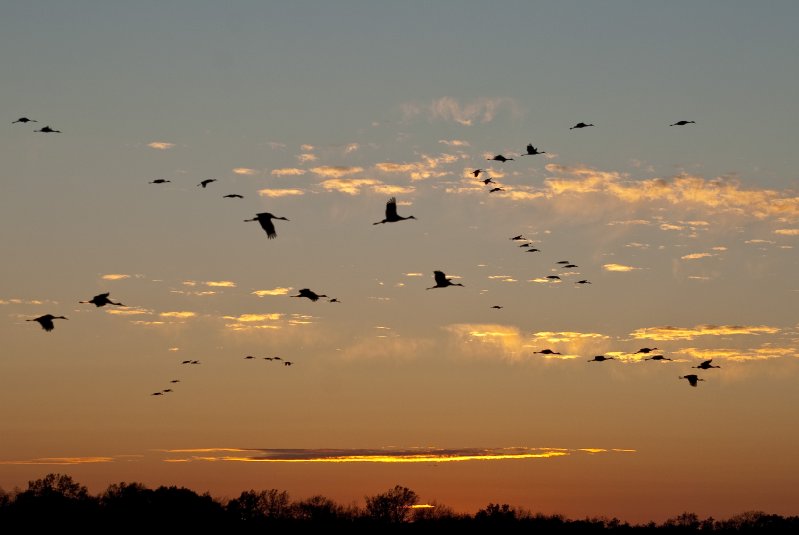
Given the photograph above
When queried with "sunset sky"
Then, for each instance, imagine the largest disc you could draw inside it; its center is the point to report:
(319, 112)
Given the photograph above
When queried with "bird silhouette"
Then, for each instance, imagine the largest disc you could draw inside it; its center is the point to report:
(391, 213)
(206, 182)
(157, 394)
(645, 350)
(333, 300)
(160, 181)
(24, 120)
(553, 277)
(682, 123)
(657, 357)
(525, 245)
(287, 363)
(249, 357)
(584, 281)
(46, 321)
(186, 362)
(533, 250)
(175, 381)
(265, 219)
(500, 158)
(563, 262)
(570, 266)
(233, 196)
(488, 181)
(692, 379)
(165, 390)
(276, 358)
(442, 281)
(492, 190)
(47, 130)
(706, 365)
(532, 151)
(194, 362)
(547, 352)
(102, 300)
(519, 237)
(313, 296)
(477, 172)
(600, 358)
(580, 125)
(497, 307)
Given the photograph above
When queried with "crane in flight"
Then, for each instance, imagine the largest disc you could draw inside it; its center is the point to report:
(24, 120)
(159, 181)
(46, 321)
(693, 379)
(532, 151)
(206, 182)
(682, 123)
(706, 365)
(657, 357)
(580, 125)
(265, 219)
(600, 358)
(442, 281)
(47, 130)
(310, 294)
(391, 213)
(500, 158)
(102, 300)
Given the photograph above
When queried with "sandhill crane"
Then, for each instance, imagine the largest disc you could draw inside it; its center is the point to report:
(692, 379)
(47, 130)
(525, 245)
(265, 219)
(194, 362)
(333, 300)
(547, 352)
(682, 123)
(492, 190)
(477, 172)
(584, 281)
(533, 250)
(102, 300)
(442, 281)
(391, 213)
(563, 262)
(553, 277)
(488, 181)
(173, 381)
(287, 363)
(268, 358)
(657, 357)
(600, 358)
(532, 151)
(157, 394)
(276, 358)
(305, 292)
(570, 266)
(706, 365)
(206, 182)
(517, 238)
(46, 321)
(249, 357)
(160, 181)
(24, 120)
(645, 350)
(186, 362)
(500, 158)
(498, 307)
(580, 125)
(233, 196)
(165, 390)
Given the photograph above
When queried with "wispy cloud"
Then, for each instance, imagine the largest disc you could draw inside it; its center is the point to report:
(454, 142)
(304, 158)
(689, 333)
(114, 276)
(274, 291)
(59, 461)
(288, 171)
(787, 231)
(250, 318)
(696, 256)
(351, 186)
(181, 314)
(245, 171)
(336, 171)
(762, 353)
(618, 267)
(220, 284)
(480, 110)
(277, 192)
(16, 301)
(160, 145)
(128, 311)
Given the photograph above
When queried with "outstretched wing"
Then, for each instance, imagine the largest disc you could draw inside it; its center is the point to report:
(391, 208)
(530, 149)
(440, 277)
(268, 226)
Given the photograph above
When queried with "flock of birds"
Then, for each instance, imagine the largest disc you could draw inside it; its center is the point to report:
(265, 219)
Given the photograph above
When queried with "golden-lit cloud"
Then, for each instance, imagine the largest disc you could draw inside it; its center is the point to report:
(114, 276)
(160, 145)
(388, 189)
(352, 186)
(289, 192)
(454, 142)
(762, 353)
(274, 291)
(249, 318)
(245, 171)
(336, 171)
(631, 222)
(787, 231)
(60, 461)
(288, 171)
(304, 158)
(128, 311)
(16, 301)
(349, 148)
(428, 167)
(759, 241)
(618, 267)
(689, 333)
(182, 314)
(480, 110)
(696, 256)
(414, 274)
(566, 336)
(220, 284)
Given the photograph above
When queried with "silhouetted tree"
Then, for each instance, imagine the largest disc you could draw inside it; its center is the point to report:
(318, 509)
(686, 521)
(392, 506)
(253, 506)
(495, 512)
(55, 498)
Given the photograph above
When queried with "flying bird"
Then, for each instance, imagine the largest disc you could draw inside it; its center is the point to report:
(305, 292)
(442, 281)
(47, 130)
(477, 172)
(492, 190)
(165, 390)
(174, 381)
(500, 158)
(584, 281)
(46, 321)
(497, 307)
(265, 219)
(519, 237)
(249, 357)
(600, 358)
(563, 262)
(532, 151)
(391, 213)
(488, 181)
(233, 196)
(24, 120)
(333, 300)
(547, 352)
(287, 363)
(157, 394)
(533, 250)
(682, 123)
(102, 300)
(206, 182)
(692, 379)
(657, 357)
(553, 277)
(160, 181)
(580, 125)
(570, 266)
(645, 350)
(706, 365)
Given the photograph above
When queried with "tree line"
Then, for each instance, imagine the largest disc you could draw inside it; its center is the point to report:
(56, 500)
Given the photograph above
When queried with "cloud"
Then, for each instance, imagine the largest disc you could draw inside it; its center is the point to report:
(336, 171)
(787, 231)
(250, 318)
(349, 186)
(160, 145)
(60, 461)
(178, 314)
(15, 301)
(631, 222)
(273, 291)
(689, 333)
(245, 171)
(275, 145)
(758, 242)
(220, 284)
(128, 311)
(618, 267)
(288, 171)
(351, 147)
(306, 147)
(303, 158)
(482, 110)
(389, 189)
(114, 276)
(696, 256)
(414, 274)
(280, 192)
(738, 355)
(426, 168)
(454, 142)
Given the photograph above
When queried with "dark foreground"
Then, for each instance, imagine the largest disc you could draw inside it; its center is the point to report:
(58, 501)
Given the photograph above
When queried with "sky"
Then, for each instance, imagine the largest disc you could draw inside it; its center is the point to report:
(320, 112)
